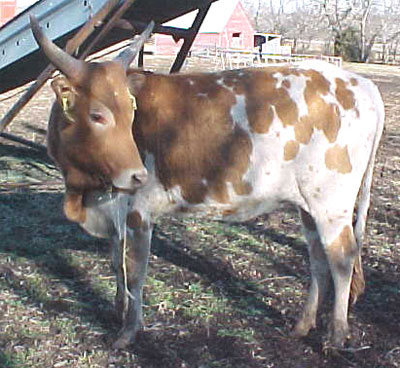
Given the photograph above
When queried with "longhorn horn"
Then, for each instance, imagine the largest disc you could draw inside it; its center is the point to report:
(72, 68)
(128, 55)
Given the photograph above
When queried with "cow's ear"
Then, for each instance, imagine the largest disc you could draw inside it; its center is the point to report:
(66, 96)
(73, 207)
(136, 82)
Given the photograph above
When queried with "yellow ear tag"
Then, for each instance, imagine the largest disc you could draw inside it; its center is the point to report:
(66, 109)
(64, 102)
(133, 99)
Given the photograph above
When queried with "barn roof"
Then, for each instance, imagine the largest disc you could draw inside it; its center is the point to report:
(215, 21)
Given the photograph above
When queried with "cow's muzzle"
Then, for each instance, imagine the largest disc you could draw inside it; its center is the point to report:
(130, 179)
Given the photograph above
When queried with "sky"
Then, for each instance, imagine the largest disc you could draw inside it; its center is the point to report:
(25, 3)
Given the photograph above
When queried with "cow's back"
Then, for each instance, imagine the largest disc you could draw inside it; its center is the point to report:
(236, 143)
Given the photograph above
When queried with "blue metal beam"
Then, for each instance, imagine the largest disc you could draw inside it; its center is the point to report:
(56, 17)
(20, 59)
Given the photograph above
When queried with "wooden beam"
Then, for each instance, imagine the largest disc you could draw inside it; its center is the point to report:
(71, 46)
(107, 27)
(170, 31)
(187, 44)
(141, 58)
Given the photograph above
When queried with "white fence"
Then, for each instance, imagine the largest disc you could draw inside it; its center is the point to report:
(232, 58)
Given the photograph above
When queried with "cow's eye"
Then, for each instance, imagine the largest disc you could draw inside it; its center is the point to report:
(98, 118)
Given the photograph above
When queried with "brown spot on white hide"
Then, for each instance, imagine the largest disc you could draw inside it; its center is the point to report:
(343, 248)
(229, 212)
(337, 159)
(73, 207)
(189, 130)
(354, 82)
(345, 96)
(134, 221)
(303, 130)
(290, 151)
(321, 115)
(263, 97)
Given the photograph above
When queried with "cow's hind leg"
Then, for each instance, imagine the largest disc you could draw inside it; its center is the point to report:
(341, 252)
(319, 276)
(131, 269)
(333, 250)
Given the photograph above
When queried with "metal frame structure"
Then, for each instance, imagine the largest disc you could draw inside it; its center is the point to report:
(76, 23)
(20, 60)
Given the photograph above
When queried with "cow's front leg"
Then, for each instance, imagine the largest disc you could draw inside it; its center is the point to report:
(130, 260)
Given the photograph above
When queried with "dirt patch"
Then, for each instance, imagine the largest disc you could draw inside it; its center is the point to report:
(217, 295)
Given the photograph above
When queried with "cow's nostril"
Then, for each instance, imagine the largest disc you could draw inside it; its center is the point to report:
(140, 177)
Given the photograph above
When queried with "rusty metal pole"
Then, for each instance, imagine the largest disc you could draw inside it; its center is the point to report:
(25, 142)
(71, 46)
(187, 44)
(107, 27)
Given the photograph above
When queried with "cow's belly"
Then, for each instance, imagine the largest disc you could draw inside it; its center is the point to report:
(268, 192)
(106, 213)
(236, 211)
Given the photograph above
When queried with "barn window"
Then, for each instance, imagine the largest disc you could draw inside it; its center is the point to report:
(237, 39)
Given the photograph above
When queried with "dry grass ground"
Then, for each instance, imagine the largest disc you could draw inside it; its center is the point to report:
(217, 295)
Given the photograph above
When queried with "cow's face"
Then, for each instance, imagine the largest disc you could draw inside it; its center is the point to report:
(95, 145)
(90, 130)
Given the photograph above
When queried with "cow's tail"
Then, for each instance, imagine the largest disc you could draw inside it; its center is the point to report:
(364, 196)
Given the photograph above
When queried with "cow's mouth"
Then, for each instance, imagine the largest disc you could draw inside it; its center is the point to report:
(130, 191)
(106, 184)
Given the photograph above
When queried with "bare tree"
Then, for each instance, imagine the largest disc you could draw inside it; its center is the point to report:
(354, 27)
(362, 17)
(336, 14)
(366, 6)
(304, 26)
(390, 33)
(268, 16)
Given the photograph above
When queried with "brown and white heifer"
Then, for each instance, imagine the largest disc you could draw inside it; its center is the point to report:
(229, 145)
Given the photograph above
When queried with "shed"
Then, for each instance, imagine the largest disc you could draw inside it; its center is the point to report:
(226, 26)
(271, 43)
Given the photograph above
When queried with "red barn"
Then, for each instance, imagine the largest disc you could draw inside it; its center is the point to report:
(7, 10)
(226, 25)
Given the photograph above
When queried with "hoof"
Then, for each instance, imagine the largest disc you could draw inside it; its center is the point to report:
(303, 327)
(339, 336)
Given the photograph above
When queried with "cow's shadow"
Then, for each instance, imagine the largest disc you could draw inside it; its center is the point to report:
(35, 228)
(44, 236)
